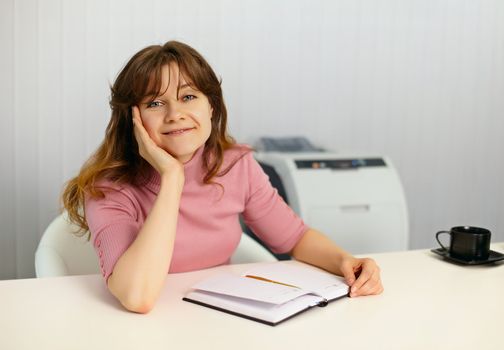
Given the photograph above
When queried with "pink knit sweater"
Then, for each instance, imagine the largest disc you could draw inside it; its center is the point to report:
(208, 228)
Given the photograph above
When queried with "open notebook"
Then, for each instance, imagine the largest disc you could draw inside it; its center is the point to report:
(269, 293)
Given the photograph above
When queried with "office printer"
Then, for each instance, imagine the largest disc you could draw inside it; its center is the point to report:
(356, 199)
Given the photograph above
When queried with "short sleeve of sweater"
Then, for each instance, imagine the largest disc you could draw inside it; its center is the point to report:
(267, 214)
(113, 223)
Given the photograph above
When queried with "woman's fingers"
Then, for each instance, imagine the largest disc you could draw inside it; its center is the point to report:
(159, 158)
(371, 286)
(140, 133)
(369, 280)
(347, 269)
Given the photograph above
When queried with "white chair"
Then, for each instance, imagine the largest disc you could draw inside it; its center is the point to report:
(249, 251)
(61, 253)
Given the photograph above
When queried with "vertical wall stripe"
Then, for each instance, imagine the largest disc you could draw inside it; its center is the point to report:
(73, 70)
(26, 139)
(97, 75)
(7, 193)
(49, 108)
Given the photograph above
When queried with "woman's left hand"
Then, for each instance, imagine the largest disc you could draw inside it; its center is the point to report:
(362, 275)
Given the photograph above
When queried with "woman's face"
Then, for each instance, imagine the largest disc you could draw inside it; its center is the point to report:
(178, 123)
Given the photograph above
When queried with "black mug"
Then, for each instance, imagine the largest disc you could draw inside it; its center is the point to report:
(468, 242)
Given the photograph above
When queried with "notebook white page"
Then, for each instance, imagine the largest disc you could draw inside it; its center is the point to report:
(248, 288)
(308, 278)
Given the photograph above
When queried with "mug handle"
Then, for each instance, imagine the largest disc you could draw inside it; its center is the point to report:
(439, 242)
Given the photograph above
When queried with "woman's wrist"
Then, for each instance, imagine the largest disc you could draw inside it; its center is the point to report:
(171, 179)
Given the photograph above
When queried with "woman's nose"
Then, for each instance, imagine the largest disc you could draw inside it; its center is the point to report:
(173, 113)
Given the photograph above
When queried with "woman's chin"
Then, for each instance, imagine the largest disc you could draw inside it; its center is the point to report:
(182, 156)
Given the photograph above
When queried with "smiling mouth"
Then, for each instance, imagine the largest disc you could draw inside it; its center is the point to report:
(178, 132)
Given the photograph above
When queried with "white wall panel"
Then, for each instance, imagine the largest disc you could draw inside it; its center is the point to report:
(49, 91)
(7, 191)
(418, 80)
(73, 69)
(26, 134)
(98, 75)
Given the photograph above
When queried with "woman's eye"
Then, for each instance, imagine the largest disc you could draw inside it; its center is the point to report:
(188, 98)
(154, 104)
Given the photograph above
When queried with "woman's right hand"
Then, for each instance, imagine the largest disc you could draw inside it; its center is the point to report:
(162, 161)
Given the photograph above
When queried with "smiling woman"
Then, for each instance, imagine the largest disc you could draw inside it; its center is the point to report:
(149, 192)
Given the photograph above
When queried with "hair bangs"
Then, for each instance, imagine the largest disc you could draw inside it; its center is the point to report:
(148, 82)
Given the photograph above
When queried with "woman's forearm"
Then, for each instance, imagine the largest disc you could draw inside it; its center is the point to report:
(361, 274)
(317, 249)
(140, 272)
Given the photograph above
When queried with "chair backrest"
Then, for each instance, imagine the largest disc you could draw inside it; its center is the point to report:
(61, 253)
(249, 251)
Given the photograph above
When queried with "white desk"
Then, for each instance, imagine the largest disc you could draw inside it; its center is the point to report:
(427, 304)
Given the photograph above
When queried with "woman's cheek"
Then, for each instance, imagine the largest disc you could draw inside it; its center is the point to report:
(151, 131)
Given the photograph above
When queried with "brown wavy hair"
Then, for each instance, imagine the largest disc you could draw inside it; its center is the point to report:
(117, 158)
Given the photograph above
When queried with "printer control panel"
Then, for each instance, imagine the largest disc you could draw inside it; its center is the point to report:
(339, 164)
